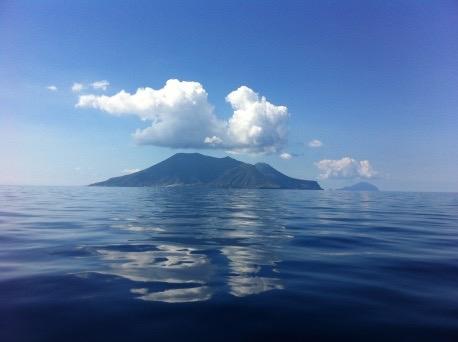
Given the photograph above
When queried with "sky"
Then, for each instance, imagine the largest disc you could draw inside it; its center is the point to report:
(337, 91)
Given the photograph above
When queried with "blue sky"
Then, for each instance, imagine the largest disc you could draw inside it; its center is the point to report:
(374, 81)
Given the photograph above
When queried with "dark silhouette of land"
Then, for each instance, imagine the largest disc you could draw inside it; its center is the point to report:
(198, 169)
(361, 186)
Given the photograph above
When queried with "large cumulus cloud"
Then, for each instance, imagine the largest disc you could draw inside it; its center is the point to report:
(256, 123)
(180, 116)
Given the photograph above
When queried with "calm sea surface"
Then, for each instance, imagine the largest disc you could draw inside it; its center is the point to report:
(193, 264)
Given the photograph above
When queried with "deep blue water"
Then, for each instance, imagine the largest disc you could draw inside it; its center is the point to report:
(109, 264)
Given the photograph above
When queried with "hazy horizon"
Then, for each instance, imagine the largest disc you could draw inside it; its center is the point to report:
(349, 182)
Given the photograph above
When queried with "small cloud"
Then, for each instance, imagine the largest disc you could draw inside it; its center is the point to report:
(234, 152)
(130, 171)
(285, 156)
(345, 168)
(77, 87)
(51, 88)
(103, 85)
(315, 143)
(214, 140)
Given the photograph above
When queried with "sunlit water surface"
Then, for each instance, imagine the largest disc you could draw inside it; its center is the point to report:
(107, 264)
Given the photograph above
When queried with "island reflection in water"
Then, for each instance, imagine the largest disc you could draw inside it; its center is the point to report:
(178, 265)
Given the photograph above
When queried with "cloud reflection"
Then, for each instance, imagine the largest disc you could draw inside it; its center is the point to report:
(193, 294)
(139, 228)
(169, 264)
(245, 265)
(242, 240)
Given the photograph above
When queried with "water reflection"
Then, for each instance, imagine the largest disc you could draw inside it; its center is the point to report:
(194, 294)
(138, 228)
(171, 264)
(164, 264)
(260, 235)
(186, 247)
(245, 265)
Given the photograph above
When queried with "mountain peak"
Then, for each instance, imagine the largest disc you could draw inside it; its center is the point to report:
(187, 154)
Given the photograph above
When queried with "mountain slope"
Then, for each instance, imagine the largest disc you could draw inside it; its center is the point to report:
(283, 181)
(198, 169)
(243, 176)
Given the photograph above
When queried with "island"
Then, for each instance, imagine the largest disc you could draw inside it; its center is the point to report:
(361, 186)
(198, 169)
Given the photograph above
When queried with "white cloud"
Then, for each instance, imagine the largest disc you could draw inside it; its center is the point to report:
(285, 156)
(103, 85)
(256, 124)
(129, 171)
(77, 87)
(179, 113)
(214, 140)
(51, 88)
(182, 117)
(365, 169)
(345, 168)
(315, 143)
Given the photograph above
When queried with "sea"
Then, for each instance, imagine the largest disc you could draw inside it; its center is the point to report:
(199, 264)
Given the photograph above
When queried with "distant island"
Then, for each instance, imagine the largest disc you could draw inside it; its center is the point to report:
(361, 186)
(198, 169)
